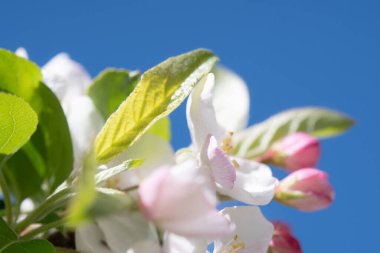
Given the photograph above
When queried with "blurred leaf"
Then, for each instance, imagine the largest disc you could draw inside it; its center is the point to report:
(160, 91)
(161, 128)
(18, 122)
(111, 88)
(109, 201)
(48, 154)
(6, 234)
(33, 246)
(64, 250)
(106, 174)
(90, 201)
(86, 193)
(318, 122)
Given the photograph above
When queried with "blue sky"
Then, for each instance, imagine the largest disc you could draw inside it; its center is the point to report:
(290, 52)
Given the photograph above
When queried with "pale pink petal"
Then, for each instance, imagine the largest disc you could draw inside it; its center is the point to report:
(222, 168)
(181, 204)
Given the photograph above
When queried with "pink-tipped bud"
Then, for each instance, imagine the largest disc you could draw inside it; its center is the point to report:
(283, 240)
(306, 190)
(294, 152)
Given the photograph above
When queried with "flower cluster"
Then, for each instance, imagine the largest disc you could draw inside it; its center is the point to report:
(167, 202)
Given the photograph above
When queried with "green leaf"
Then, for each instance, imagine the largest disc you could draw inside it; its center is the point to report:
(90, 202)
(318, 122)
(160, 91)
(110, 201)
(33, 246)
(48, 154)
(161, 128)
(106, 174)
(18, 122)
(6, 234)
(86, 193)
(64, 250)
(111, 88)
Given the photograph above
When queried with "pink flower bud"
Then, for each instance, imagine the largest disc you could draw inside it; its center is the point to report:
(295, 151)
(306, 190)
(283, 240)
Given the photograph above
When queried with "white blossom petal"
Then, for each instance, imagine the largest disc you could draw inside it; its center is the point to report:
(253, 232)
(123, 231)
(145, 247)
(84, 123)
(66, 78)
(201, 114)
(231, 100)
(90, 239)
(254, 183)
(178, 244)
(21, 52)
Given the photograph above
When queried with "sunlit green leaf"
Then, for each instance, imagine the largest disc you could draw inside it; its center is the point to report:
(161, 128)
(319, 122)
(160, 91)
(18, 122)
(33, 246)
(48, 154)
(111, 88)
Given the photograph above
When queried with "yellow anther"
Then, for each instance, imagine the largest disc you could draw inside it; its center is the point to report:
(227, 144)
(235, 164)
(112, 183)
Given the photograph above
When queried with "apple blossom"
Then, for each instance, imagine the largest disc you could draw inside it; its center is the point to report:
(212, 145)
(306, 189)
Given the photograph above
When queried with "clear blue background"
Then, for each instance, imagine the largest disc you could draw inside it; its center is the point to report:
(290, 52)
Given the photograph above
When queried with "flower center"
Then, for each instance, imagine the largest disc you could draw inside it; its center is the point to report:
(234, 246)
(227, 146)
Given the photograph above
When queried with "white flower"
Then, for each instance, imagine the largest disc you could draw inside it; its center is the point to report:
(117, 233)
(252, 234)
(69, 81)
(244, 180)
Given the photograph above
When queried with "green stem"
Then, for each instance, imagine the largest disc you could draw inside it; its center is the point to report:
(6, 192)
(52, 203)
(42, 229)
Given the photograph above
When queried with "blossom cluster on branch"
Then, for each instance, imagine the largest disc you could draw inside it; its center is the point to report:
(104, 177)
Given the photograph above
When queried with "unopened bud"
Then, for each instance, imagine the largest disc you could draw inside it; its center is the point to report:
(283, 240)
(306, 190)
(294, 152)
